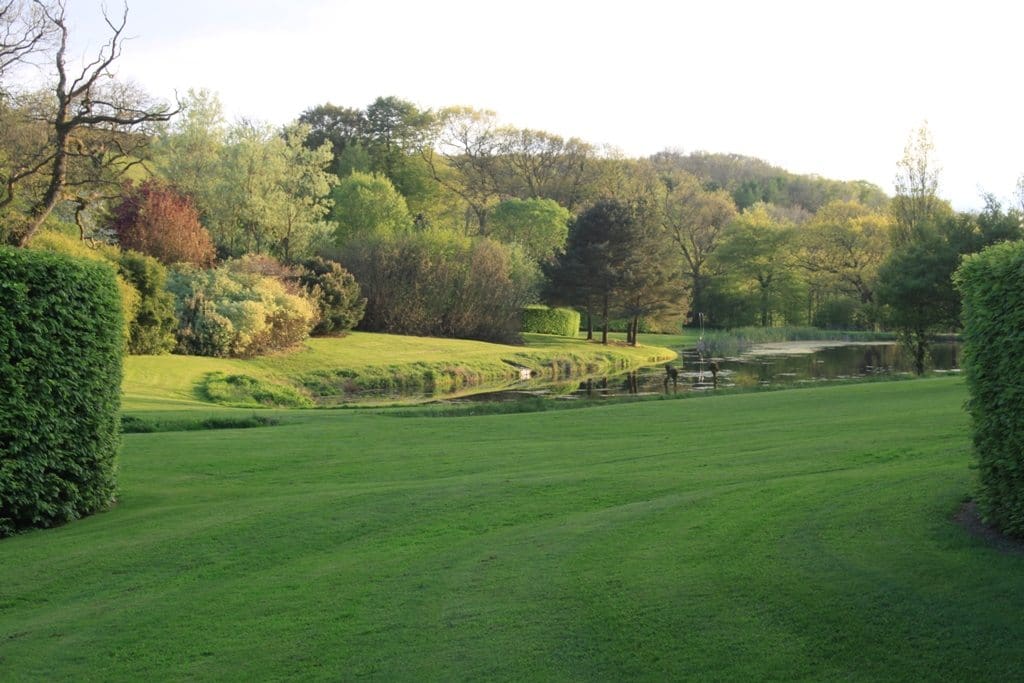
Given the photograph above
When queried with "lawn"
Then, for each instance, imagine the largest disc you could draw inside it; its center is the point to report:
(805, 534)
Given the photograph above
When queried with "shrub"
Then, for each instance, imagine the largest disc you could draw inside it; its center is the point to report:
(442, 284)
(336, 293)
(60, 373)
(993, 316)
(561, 321)
(157, 220)
(231, 311)
(151, 330)
(58, 243)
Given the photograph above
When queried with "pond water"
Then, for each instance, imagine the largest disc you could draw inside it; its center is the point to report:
(775, 365)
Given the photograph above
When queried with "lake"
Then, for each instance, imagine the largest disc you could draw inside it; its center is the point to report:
(768, 365)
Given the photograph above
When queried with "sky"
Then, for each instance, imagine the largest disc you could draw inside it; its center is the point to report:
(820, 87)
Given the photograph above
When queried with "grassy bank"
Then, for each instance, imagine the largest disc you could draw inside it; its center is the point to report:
(337, 370)
(792, 535)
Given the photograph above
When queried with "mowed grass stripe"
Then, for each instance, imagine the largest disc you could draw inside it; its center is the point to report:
(798, 535)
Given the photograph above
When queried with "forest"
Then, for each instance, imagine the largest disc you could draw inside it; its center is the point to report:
(239, 237)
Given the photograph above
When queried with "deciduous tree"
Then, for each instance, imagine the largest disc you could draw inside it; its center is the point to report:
(89, 117)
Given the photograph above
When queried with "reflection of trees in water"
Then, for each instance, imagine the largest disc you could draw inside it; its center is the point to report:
(826, 364)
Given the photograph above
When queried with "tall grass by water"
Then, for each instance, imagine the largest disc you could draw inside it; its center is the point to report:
(741, 339)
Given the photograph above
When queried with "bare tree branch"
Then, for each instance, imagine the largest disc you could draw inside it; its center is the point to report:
(90, 119)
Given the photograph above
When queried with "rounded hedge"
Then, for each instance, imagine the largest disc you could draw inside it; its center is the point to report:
(992, 286)
(60, 368)
(564, 322)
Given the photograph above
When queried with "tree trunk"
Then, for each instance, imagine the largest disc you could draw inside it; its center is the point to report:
(53, 189)
(604, 325)
(920, 350)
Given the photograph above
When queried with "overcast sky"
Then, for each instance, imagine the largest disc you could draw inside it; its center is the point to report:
(815, 87)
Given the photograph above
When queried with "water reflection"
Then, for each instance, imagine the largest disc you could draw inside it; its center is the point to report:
(691, 372)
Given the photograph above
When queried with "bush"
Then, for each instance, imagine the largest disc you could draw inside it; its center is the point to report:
(992, 286)
(58, 243)
(442, 284)
(151, 330)
(564, 322)
(336, 293)
(157, 220)
(231, 311)
(60, 373)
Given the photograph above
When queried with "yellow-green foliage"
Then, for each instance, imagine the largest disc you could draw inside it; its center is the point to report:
(60, 387)
(228, 311)
(564, 322)
(992, 285)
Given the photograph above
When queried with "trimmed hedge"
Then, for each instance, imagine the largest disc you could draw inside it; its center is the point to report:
(992, 286)
(564, 322)
(60, 371)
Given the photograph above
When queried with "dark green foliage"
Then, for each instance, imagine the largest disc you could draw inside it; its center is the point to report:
(152, 329)
(131, 424)
(992, 286)
(336, 293)
(60, 373)
(561, 321)
(242, 391)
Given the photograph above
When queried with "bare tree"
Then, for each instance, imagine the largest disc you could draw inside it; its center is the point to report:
(90, 118)
(24, 31)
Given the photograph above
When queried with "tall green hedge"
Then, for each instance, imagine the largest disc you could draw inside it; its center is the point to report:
(60, 372)
(564, 322)
(992, 286)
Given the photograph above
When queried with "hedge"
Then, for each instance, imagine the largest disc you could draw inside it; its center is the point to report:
(564, 322)
(60, 368)
(992, 286)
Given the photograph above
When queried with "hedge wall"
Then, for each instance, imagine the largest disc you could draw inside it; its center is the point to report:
(992, 286)
(561, 321)
(60, 370)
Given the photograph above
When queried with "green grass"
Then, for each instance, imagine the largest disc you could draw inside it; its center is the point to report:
(791, 535)
(336, 369)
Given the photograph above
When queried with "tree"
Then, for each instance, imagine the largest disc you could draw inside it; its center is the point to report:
(365, 205)
(916, 281)
(539, 226)
(542, 165)
(188, 154)
(916, 204)
(24, 31)
(395, 128)
(464, 158)
(695, 219)
(617, 258)
(841, 249)
(272, 192)
(342, 127)
(156, 220)
(649, 284)
(756, 254)
(89, 116)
